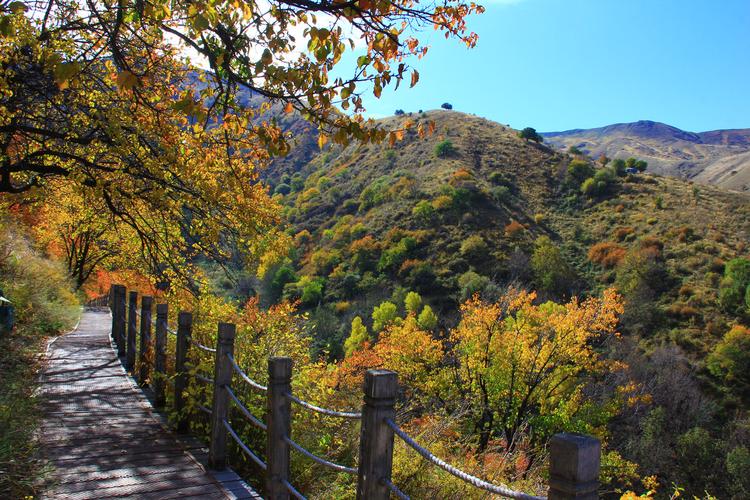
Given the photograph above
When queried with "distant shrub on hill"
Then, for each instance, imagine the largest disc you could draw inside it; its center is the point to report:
(599, 184)
(552, 272)
(423, 211)
(445, 148)
(471, 283)
(606, 254)
(734, 291)
(446, 105)
(579, 171)
(514, 229)
(474, 248)
(730, 360)
(530, 134)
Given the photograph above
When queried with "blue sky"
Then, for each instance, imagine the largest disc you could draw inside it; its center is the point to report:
(562, 64)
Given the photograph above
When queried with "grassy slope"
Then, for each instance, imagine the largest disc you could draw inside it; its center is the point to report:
(718, 220)
(45, 305)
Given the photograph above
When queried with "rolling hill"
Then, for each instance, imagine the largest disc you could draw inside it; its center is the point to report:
(719, 157)
(461, 211)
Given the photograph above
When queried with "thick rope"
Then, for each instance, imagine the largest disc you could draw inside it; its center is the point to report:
(394, 489)
(472, 480)
(205, 410)
(244, 410)
(324, 411)
(201, 346)
(244, 376)
(293, 490)
(204, 379)
(321, 461)
(244, 447)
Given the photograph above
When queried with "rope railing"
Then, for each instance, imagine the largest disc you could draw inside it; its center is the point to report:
(394, 489)
(244, 447)
(380, 393)
(320, 460)
(472, 480)
(243, 409)
(252, 383)
(201, 346)
(324, 411)
(291, 489)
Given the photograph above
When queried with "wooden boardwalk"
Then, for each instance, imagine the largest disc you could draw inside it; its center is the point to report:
(102, 436)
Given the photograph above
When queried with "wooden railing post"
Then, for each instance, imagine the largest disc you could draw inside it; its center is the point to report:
(376, 438)
(217, 451)
(184, 331)
(574, 467)
(146, 304)
(132, 331)
(160, 354)
(279, 426)
(118, 317)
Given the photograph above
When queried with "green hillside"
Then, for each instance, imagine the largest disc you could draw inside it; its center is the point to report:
(473, 208)
(371, 219)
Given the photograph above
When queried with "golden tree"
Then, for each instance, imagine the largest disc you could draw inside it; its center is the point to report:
(98, 94)
(518, 364)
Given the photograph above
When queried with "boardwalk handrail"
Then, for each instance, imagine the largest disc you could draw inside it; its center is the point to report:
(498, 489)
(324, 411)
(252, 383)
(574, 459)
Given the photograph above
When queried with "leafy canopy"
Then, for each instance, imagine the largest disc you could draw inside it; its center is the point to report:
(101, 100)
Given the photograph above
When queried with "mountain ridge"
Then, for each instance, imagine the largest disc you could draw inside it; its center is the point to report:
(718, 157)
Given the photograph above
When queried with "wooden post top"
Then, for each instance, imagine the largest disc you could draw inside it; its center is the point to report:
(185, 318)
(162, 309)
(226, 333)
(147, 301)
(574, 466)
(279, 369)
(381, 384)
(133, 295)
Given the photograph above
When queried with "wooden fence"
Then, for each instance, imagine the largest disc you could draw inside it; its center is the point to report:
(574, 458)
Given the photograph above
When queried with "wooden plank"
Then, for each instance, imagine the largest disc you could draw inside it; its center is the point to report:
(103, 438)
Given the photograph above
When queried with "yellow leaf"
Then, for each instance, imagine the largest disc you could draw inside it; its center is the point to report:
(322, 140)
(414, 77)
(126, 80)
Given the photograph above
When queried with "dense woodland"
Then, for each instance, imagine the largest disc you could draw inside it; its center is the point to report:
(518, 290)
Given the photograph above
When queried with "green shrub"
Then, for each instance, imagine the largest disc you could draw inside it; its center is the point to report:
(501, 194)
(427, 319)
(444, 149)
(283, 189)
(393, 257)
(383, 315)
(423, 210)
(412, 302)
(474, 248)
(471, 283)
(734, 289)
(580, 170)
(551, 272)
(357, 336)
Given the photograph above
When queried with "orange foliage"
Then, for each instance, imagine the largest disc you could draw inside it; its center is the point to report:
(514, 229)
(606, 254)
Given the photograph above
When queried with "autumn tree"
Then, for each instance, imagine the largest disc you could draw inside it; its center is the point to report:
(356, 338)
(103, 97)
(518, 363)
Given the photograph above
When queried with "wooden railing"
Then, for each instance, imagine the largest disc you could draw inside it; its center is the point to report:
(574, 458)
